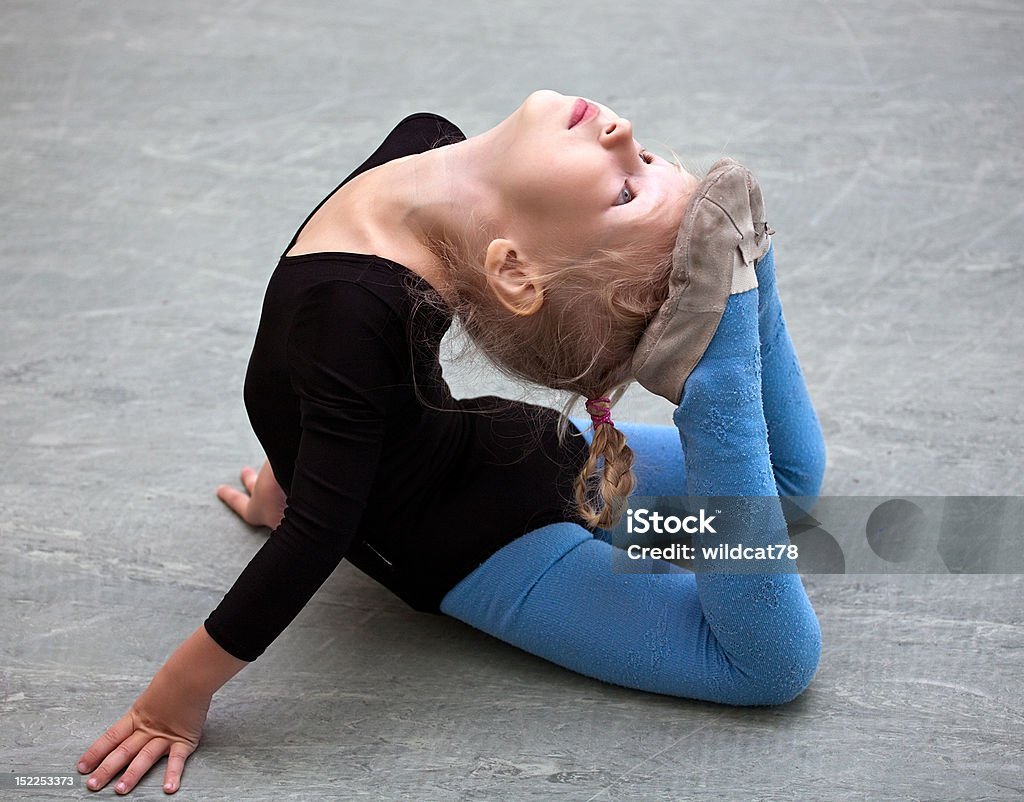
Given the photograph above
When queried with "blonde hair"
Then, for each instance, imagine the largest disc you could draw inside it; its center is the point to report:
(580, 340)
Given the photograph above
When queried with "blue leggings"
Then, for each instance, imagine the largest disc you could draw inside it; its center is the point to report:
(735, 638)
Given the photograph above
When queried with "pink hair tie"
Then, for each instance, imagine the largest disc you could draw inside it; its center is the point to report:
(600, 411)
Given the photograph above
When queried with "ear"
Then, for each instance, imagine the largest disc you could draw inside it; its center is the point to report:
(512, 279)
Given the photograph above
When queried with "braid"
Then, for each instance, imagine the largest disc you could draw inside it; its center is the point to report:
(581, 339)
(614, 479)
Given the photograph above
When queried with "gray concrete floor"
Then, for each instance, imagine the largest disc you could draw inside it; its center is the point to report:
(158, 156)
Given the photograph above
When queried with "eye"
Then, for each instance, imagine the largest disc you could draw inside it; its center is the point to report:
(625, 196)
(646, 156)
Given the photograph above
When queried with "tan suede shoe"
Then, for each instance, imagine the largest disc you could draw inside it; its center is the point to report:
(722, 234)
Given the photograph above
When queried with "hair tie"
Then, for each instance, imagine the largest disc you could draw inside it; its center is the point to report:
(600, 411)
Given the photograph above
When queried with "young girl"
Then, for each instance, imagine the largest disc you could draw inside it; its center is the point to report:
(577, 260)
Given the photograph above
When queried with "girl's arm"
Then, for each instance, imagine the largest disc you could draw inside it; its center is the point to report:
(345, 392)
(167, 719)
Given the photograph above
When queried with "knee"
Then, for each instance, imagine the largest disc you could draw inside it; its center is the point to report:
(768, 660)
(785, 674)
(793, 677)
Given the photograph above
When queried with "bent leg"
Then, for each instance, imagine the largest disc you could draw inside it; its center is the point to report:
(794, 433)
(759, 612)
(552, 593)
(737, 638)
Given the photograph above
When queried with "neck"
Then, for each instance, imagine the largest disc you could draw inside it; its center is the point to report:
(440, 195)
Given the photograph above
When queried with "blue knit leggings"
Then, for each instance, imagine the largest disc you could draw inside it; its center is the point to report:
(746, 428)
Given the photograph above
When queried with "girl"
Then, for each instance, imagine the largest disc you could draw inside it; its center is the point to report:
(577, 260)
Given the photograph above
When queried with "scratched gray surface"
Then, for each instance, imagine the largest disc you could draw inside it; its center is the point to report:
(157, 157)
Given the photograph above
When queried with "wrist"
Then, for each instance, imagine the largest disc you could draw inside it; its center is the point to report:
(200, 666)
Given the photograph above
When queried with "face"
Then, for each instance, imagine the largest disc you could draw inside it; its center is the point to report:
(573, 176)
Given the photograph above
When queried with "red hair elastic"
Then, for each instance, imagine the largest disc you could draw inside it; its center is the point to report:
(600, 411)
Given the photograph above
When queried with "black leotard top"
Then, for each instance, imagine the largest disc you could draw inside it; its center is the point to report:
(381, 465)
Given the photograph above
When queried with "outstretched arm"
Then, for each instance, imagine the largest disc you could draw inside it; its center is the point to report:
(167, 719)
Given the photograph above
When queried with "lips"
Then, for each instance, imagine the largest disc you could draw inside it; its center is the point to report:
(579, 109)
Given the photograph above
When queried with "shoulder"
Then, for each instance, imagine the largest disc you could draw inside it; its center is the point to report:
(367, 305)
(426, 130)
(348, 340)
(417, 133)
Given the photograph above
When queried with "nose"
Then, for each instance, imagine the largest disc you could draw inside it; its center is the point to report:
(616, 132)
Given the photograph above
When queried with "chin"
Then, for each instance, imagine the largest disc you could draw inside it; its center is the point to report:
(545, 98)
(546, 105)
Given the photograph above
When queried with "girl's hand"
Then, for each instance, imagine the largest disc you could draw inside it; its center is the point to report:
(263, 502)
(165, 720)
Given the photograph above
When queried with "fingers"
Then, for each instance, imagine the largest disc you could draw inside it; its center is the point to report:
(143, 752)
(248, 477)
(175, 766)
(149, 754)
(116, 759)
(106, 743)
(236, 500)
(122, 745)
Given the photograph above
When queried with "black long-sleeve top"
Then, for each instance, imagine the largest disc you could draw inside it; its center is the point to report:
(380, 464)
